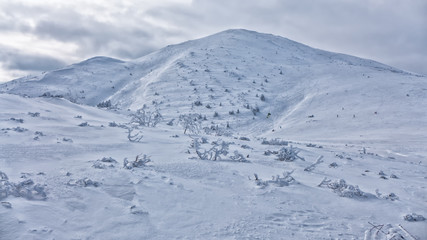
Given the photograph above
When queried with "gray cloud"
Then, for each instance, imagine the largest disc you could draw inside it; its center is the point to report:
(393, 31)
(14, 59)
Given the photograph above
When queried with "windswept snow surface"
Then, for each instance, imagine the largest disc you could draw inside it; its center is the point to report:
(355, 130)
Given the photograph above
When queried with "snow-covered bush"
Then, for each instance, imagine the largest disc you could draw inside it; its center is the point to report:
(191, 123)
(238, 157)
(283, 181)
(259, 182)
(275, 141)
(18, 120)
(170, 123)
(217, 130)
(102, 163)
(113, 124)
(343, 189)
(390, 196)
(280, 181)
(255, 110)
(313, 165)
(26, 189)
(84, 182)
(138, 210)
(104, 104)
(244, 138)
(288, 154)
(137, 163)
(217, 152)
(36, 114)
(134, 134)
(83, 124)
(16, 129)
(414, 217)
(6, 204)
(333, 165)
(146, 118)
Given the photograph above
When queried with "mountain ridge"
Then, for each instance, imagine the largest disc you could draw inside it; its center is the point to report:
(230, 72)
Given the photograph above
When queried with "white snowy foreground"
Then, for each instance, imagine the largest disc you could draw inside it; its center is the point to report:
(243, 136)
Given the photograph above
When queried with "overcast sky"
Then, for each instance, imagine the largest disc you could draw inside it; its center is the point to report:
(39, 35)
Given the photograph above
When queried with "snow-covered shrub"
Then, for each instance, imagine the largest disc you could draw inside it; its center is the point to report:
(390, 196)
(190, 123)
(83, 124)
(19, 120)
(104, 104)
(414, 217)
(170, 123)
(343, 189)
(288, 154)
(49, 95)
(217, 130)
(259, 182)
(101, 163)
(280, 181)
(269, 152)
(67, 140)
(217, 152)
(134, 134)
(386, 232)
(238, 157)
(138, 210)
(6, 204)
(333, 165)
(275, 141)
(137, 163)
(84, 182)
(26, 189)
(198, 103)
(38, 133)
(313, 165)
(16, 129)
(255, 110)
(146, 118)
(113, 124)
(36, 114)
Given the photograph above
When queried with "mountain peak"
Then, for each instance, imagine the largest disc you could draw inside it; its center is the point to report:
(252, 72)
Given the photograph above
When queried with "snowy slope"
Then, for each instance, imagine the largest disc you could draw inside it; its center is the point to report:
(233, 69)
(367, 121)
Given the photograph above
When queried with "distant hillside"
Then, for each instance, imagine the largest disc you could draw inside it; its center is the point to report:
(245, 76)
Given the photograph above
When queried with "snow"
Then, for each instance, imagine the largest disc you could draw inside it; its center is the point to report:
(357, 128)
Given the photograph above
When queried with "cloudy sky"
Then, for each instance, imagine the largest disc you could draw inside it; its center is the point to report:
(40, 35)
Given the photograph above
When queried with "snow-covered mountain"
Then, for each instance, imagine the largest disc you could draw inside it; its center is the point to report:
(239, 89)
(234, 69)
